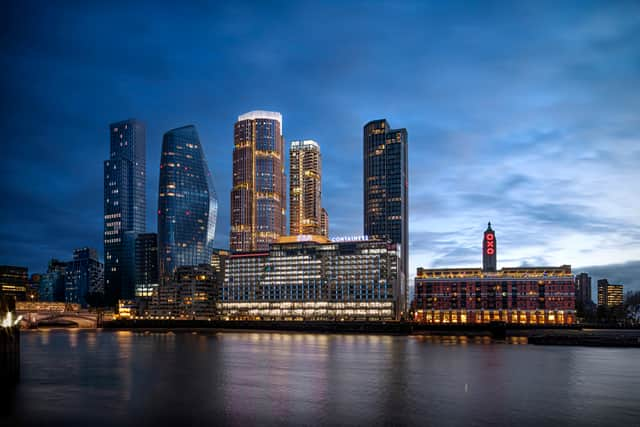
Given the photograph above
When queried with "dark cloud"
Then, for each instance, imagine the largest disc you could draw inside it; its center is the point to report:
(627, 274)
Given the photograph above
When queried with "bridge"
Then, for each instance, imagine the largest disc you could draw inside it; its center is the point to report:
(43, 314)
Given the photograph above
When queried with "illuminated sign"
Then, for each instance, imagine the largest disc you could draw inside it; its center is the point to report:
(304, 238)
(490, 248)
(350, 239)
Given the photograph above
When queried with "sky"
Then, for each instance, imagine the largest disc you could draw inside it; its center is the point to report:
(524, 114)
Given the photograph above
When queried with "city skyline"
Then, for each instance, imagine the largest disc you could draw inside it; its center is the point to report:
(539, 160)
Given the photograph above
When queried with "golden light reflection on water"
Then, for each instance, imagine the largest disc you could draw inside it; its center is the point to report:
(465, 340)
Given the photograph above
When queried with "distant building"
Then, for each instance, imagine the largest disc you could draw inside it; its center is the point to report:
(583, 293)
(324, 223)
(258, 195)
(305, 188)
(218, 260)
(310, 278)
(187, 203)
(386, 188)
(610, 295)
(84, 276)
(33, 290)
(52, 283)
(124, 206)
(147, 270)
(14, 282)
(526, 295)
(191, 293)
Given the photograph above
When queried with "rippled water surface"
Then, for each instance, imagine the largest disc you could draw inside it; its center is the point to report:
(76, 377)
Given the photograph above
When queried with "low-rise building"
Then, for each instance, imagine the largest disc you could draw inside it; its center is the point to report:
(308, 277)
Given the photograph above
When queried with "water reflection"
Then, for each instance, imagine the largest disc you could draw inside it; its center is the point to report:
(157, 378)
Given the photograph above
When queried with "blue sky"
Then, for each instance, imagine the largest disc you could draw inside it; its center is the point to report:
(524, 114)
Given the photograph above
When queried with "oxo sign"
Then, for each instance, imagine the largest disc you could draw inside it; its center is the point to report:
(490, 248)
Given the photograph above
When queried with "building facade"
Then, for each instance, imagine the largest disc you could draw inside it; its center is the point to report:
(311, 278)
(84, 276)
(610, 295)
(305, 188)
(324, 223)
(190, 294)
(124, 206)
(14, 282)
(386, 186)
(187, 203)
(52, 283)
(524, 295)
(147, 270)
(258, 195)
(583, 293)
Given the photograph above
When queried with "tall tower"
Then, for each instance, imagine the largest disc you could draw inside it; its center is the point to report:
(386, 189)
(305, 188)
(258, 196)
(489, 249)
(187, 202)
(124, 206)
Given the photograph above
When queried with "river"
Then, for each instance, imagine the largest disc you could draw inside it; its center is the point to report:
(91, 378)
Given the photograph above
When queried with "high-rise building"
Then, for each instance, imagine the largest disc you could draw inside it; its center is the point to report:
(124, 206)
(305, 188)
(187, 203)
(386, 187)
(311, 278)
(583, 293)
(14, 282)
(610, 295)
(52, 283)
(489, 250)
(147, 271)
(324, 223)
(258, 196)
(84, 276)
(33, 290)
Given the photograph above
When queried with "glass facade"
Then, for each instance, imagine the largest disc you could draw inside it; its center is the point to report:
(187, 203)
(84, 276)
(124, 206)
(386, 195)
(258, 196)
(147, 271)
(314, 280)
(52, 283)
(14, 282)
(190, 294)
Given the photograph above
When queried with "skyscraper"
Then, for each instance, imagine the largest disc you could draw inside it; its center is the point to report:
(583, 292)
(84, 276)
(52, 283)
(124, 206)
(386, 187)
(489, 250)
(305, 188)
(258, 196)
(187, 202)
(147, 271)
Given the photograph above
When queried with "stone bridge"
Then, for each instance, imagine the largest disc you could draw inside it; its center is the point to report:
(42, 318)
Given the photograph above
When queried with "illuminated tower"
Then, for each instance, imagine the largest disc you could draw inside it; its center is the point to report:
(489, 250)
(187, 203)
(386, 188)
(124, 207)
(258, 196)
(305, 188)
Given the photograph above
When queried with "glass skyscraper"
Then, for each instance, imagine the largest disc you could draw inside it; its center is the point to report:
(124, 206)
(187, 203)
(386, 182)
(147, 275)
(84, 276)
(258, 197)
